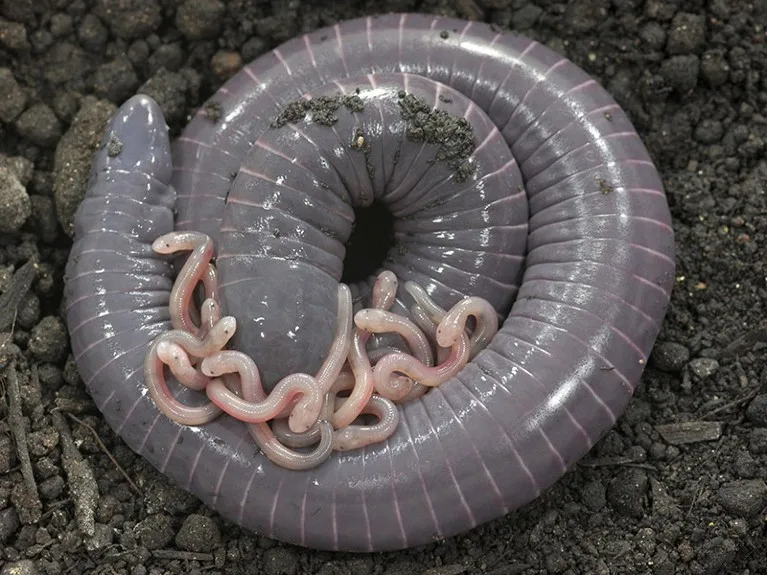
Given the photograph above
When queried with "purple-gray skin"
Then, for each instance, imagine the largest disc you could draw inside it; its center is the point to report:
(563, 226)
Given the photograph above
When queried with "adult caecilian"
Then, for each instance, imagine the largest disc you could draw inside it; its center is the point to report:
(597, 275)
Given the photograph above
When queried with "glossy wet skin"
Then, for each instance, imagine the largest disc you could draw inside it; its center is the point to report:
(598, 273)
(290, 212)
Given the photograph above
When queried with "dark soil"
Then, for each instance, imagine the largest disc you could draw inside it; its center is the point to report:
(651, 498)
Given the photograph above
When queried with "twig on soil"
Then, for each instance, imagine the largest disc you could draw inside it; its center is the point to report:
(17, 289)
(173, 554)
(745, 399)
(16, 423)
(107, 452)
(73, 405)
(54, 506)
(686, 432)
(446, 570)
(82, 482)
(756, 335)
(695, 498)
(618, 462)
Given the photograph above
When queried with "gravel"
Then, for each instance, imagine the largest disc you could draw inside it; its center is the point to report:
(691, 76)
(14, 202)
(12, 98)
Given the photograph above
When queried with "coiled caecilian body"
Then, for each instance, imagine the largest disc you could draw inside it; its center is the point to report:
(557, 216)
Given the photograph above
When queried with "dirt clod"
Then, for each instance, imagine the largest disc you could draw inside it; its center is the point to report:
(14, 202)
(744, 498)
(670, 356)
(132, 18)
(12, 98)
(687, 34)
(48, 340)
(39, 125)
(757, 410)
(156, 531)
(198, 533)
(200, 19)
(691, 76)
(626, 492)
(74, 156)
(280, 561)
(23, 567)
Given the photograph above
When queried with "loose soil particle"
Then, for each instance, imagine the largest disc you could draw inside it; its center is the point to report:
(693, 76)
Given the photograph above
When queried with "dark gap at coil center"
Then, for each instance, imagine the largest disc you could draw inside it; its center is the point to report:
(369, 243)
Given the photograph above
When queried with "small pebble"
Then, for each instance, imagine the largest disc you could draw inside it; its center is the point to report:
(12, 97)
(23, 567)
(61, 25)
(115, 81)
(686, 552)
(129, 20)
(8, 349)
(654, 35)
(626, 492)
(156, 531)
(526, 17)
(108, 506)
(687, 34)
(714, 68)
(20, 10)
(9, 524)
(743, 498)
(200, 19)
(253, 48)
(584, 16)
(13, 36)
(756, 412)
(43, 441)
(92, 33)
(45, 467)
(645, 540)
(168, 56)
(716, 554)
(42, 182)
(708, 131)
(41, 41)
(225, 64)
(39, 125)
(720, 8)
(138, 53)
(757, 441)
(43, 218)
(15, 205)
(101, 539)
(704, 367)
(46, 277)
(681, 72)
(658, 451)
(169, 90)
(593, 495)
(20, 167)
(745, 466)
(7, 454)
(52, 487)
(280, 561)
(49, 376)
(199, 533)
(48, 340)
(670, 356)
(74, 155)
(556, 563)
